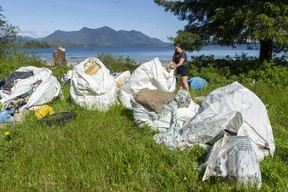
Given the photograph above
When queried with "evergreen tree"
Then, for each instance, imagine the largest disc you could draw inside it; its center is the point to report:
(230, 23)
(36, 44)
(8, 33)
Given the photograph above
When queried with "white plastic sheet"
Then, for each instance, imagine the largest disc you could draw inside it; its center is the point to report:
(233, 157)
(43, 85)
(67, 76)
(150, 75)
(92, 86)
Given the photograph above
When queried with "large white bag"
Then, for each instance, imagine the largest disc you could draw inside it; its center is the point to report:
(233, 157)
(43, 85)
(92, 86)
(162, 120)
(237, 108)
(150, 75)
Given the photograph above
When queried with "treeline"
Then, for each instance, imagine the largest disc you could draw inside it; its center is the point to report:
(36, 44)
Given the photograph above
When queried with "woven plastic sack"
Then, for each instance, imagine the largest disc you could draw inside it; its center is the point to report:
(151, 75)
(92, 86)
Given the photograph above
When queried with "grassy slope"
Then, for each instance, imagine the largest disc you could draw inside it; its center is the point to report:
(105, 151)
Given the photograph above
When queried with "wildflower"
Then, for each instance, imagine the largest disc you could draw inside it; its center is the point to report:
(7, 133)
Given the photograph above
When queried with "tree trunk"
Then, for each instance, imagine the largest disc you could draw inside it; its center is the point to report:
(266, 48)
(59, 57)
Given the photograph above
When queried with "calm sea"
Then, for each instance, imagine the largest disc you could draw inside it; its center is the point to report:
(141, 53)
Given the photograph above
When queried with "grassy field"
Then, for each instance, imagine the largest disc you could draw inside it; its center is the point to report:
(106, 151)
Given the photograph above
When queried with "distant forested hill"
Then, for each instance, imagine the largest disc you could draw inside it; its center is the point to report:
(101, 36)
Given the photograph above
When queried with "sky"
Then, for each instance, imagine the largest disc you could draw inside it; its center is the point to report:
(39, 18)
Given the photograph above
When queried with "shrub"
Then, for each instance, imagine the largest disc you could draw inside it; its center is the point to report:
(118, 64)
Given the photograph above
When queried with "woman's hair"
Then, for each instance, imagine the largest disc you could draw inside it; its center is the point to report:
(176, 54)
(178, 45)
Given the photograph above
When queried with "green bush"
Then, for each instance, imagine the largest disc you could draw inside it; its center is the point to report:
(15, 60)
(118, 64)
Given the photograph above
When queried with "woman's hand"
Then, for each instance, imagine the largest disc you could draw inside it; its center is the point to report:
(168, 65)
(173, 66)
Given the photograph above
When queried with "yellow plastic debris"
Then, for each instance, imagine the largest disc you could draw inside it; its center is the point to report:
(43, 111)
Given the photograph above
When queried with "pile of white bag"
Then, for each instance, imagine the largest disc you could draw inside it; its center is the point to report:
(42, 84)
(237, 114)
(153, 76)
(232, 120)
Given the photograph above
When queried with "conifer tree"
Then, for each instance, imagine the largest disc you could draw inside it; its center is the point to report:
(8, 33)
(230, 22)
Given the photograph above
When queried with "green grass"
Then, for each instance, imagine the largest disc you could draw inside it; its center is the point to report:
(106, 151)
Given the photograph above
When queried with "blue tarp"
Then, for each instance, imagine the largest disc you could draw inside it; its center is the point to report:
(6, 116)
(197, 83)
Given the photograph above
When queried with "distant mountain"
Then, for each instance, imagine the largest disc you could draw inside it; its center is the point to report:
(24, 39)
(101, 36)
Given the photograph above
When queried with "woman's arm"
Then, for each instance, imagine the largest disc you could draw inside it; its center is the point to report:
(171, 63)
(181, 61)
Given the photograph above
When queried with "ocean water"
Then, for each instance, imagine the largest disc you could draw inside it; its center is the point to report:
(141, 53)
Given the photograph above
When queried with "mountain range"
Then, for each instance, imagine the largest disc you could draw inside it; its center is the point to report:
(100, 36)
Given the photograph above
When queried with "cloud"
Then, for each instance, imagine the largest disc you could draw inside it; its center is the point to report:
(34, 34)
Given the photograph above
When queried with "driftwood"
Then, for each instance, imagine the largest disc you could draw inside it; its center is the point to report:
(59, 57)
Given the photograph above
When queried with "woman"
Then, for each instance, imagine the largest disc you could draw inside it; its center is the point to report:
(180, 63)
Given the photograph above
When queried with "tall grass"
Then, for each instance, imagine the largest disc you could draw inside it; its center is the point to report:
(106, 151)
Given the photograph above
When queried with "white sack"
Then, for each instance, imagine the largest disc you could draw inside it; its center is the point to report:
(233, 157)
(150, 75)
(225, 103)
(162, 120)
(92, 86)
(43, 85)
